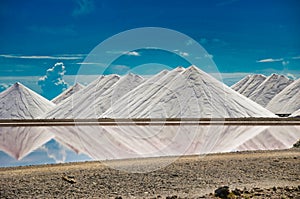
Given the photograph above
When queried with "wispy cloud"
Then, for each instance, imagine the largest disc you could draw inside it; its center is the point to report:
(269, 60)
(91, 63)
(83, 7)
(189, 42)
(285, 63)
(294, 74)
(203, 41)
(121, 68)
(297, 57)
(181, 53)
(212, 41)
(4, 86)
(291, 76)
(129, 53)
(41, 57)
(132, 53)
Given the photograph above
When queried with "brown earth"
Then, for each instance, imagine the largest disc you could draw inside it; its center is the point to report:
(259, 174)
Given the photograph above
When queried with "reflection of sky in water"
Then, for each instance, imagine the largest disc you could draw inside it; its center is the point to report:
(50, 153)
(21, 146)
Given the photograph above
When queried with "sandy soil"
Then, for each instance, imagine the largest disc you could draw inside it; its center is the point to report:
(260, 174)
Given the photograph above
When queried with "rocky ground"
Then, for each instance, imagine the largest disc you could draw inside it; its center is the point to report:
(260, 174)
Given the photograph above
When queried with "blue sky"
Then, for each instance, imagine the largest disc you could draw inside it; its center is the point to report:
(242, 36)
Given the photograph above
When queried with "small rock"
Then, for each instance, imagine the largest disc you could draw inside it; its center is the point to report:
(222, 192)
(69, 179)
(171, 197)
(237, 192)
(256, 189)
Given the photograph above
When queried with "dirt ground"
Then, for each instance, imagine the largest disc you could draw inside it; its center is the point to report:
(259, 174)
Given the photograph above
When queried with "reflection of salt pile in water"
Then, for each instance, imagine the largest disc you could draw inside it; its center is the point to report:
(185, 93)
(123, 141)
(67, 93)
(275, 137)
(21, 141)
(134, 141)
(287, 101)
(19, 102)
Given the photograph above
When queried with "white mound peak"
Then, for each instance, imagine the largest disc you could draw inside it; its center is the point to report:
(73, 106)
(101, 103)
(269, 88)
(287, 101)
(20, 102)
(184, 93)
(67, 93)
(248, 84)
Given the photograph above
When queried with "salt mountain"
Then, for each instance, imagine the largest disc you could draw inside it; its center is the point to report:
(19, 102)
(97, 97)
(248, 84)
(185, 93)
(124, 85)
(79, 101)
(67, 93)
(263, 91)
(287, 101)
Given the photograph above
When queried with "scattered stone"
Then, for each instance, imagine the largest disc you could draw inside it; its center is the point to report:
(222, 192)
(171, 197)
(237, 192)
(297, 144)
(256, 189)
(69, 179)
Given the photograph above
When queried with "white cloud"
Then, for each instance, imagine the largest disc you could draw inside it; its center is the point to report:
(4, 86)
(83, 7)
(55, 151)
(91, 63)
(53, 83)
(41, 57)
(208, 56)
(285, 63)
(230, 78)
(297, 57)
(129, 53)
(291, 76)
(121, 68)
(189, 42)
(132, 53)
(184, 54)
(270, 60)
(203, 41)
(181, 53)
